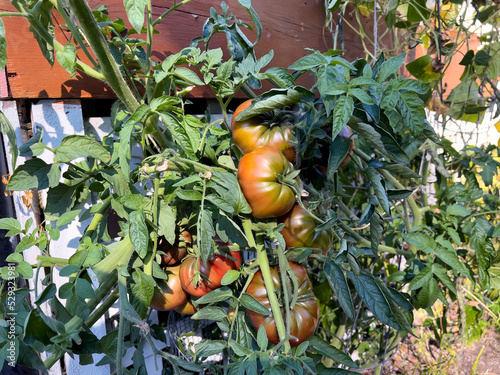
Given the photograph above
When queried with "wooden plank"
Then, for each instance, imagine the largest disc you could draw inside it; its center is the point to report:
(288, 28)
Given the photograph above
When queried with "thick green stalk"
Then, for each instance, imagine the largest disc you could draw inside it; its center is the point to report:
(98, 217)
(122, 285)
(118, 257)
(46, 261)
(13, 14)
(109, 68)
(268, 281)
(271, 294)
(102, 291)
(102, 309)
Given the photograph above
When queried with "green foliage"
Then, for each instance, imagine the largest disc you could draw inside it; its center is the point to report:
(188, 179)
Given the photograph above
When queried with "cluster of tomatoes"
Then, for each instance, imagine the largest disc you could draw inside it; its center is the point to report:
(270, 185)
(188, 276)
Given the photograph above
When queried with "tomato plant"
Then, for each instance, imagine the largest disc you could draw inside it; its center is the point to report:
(264, 177)
(300, 230)
(198, 278)
(261, 130)
(389, 256)
(170, 294)
(304, 315)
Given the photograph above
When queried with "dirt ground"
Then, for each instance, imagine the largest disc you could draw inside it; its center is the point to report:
(424, 355)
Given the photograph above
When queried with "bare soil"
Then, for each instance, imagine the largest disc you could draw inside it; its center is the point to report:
(424, 355)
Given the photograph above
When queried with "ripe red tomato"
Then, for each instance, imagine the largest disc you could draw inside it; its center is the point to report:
(174, 253)
(304, 315)
(300, 230)
(262, 130)
(198, 278)
(170, 294)
(259, 174)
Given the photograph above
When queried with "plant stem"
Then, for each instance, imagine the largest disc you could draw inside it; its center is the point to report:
(122, 285)
(158, 20)
(148, 267)
(45, 35)
(47, 261)
(101, 310)
(102, 291)
(109, 68)
(118, 257)
(98, 217)
(366, 243)
(273, 300)
(76, 34)
(13, 14)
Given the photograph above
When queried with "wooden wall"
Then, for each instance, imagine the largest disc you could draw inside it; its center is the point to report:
(289, 26)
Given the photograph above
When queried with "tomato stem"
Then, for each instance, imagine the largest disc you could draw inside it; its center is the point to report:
(148, 267)
(285, 287)
(273, 300)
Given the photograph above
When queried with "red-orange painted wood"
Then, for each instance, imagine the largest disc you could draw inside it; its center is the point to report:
(288, 28)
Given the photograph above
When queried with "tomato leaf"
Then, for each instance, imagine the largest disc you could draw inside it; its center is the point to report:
(421, 241)
(274, 99)
(7, 129)
(376, 230)
(80, 146)
(205, 234)
(457, 210)
(166, 222)
(229, 189)
(422, 278)
(139, 234)
(67, 59)
(83, 288)
(338, 151)
(338, 283)
(390, 67)
(380, 301)
(322, 347)
(34, 173)
(135, 12)
(217, 295)
(141, 291)
(12, 225)
(309, 62)
(249, 302)
(206, 348)
(262, 340)
(33, 147)
(442, 275)
(239, 349)
(210, 313)
(343, 110)
(373, 177)
(229, 231)
(451, 259)
(230, 277)
(188, 75)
